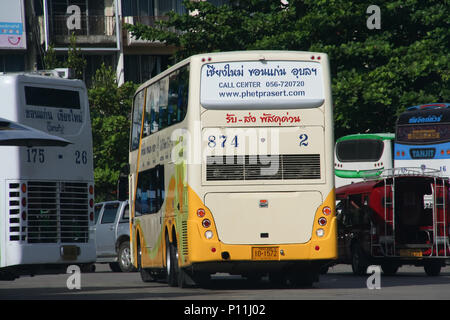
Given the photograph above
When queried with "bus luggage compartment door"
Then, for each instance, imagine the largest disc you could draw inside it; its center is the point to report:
(264, 218)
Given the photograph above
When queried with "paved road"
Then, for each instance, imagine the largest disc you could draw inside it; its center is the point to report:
(339, 283)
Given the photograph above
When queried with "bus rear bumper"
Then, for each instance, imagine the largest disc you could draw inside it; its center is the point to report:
(50, 254)
(317, 248)
(257, 267)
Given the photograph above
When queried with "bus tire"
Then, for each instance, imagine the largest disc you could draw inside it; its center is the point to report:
(184, 279)
(432, 268)
(146, 276)
(171, 263)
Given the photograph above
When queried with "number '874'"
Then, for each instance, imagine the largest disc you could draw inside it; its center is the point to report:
(222, 141)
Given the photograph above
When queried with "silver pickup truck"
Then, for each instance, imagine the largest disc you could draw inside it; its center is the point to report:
(112, 235)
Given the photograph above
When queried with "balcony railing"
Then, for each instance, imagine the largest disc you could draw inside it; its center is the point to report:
(146, 20)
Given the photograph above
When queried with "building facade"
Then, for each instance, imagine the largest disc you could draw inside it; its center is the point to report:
(29, 27)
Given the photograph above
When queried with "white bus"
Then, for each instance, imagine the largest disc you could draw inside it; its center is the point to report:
(231, 168)
(46, 192)
(361, 156)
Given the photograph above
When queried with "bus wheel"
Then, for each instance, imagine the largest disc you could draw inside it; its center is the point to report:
(359, 261)
(184, 279)
(432, 268)
(202, 279)
(145, 274)
(171, 263)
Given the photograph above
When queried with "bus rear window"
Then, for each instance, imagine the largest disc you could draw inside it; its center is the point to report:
(50, 97)
(362, 150)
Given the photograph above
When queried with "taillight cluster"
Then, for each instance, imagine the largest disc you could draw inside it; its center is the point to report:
(23, 188)
(206, 223)
(378, 164)
(322, 221)
(91, 203)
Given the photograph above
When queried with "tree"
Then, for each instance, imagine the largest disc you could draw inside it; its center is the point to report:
(50, 60)
(75, 60)
(225, 28)
(376, 73)
(110, 110)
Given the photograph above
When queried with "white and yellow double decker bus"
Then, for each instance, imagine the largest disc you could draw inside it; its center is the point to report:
(231, 169)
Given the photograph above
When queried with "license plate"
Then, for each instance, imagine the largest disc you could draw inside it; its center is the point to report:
(70, 252)
(410, 253)
(265, 253)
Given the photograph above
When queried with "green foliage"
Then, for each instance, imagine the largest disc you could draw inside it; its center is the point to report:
(75, 60)
(110, 110)
(50, 61)
(376, 74)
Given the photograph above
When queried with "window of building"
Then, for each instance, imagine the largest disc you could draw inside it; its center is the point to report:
(12, 62)
(135, 8)
(162, 7)
(140, 68)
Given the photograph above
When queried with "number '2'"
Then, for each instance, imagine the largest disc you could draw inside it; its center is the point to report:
(303, 140)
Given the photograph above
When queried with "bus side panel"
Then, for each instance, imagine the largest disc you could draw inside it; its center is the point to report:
(170, 222)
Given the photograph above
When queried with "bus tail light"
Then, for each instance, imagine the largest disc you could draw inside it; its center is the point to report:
(24, 187)
(206, 223)
(91, 190)
(201, 212)
(322, 221)
(326, 211)
(91, 216)
(209, 234)
(320, 233)
(91, 203)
